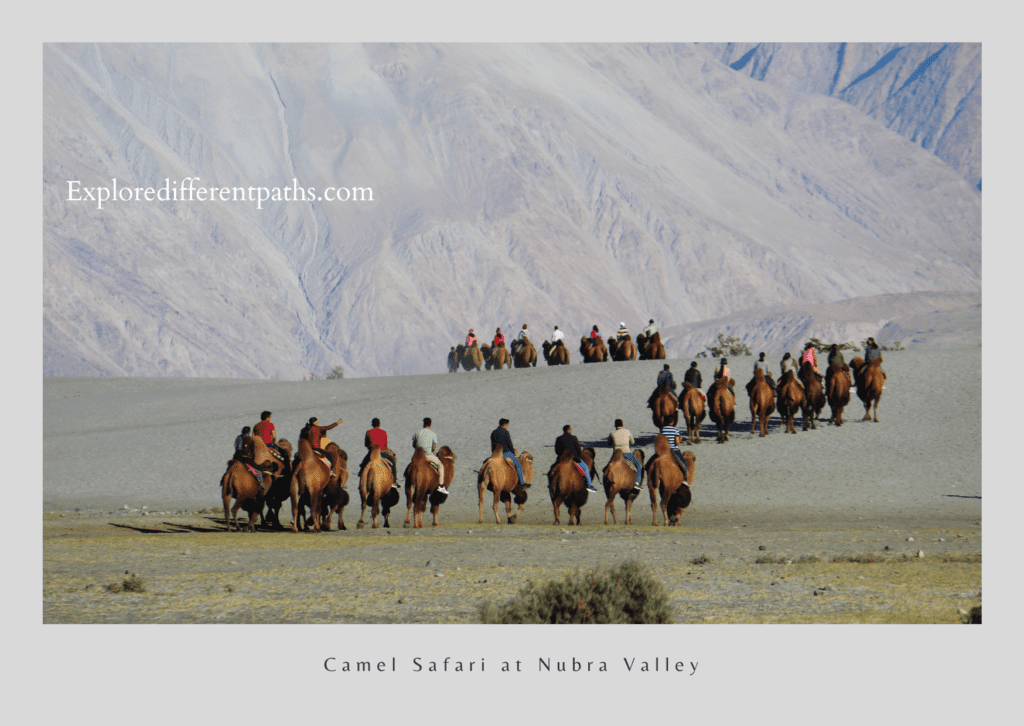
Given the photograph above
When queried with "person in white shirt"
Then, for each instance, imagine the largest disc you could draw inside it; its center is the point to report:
(427, 440)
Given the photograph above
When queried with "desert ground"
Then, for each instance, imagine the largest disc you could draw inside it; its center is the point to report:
(868, 522)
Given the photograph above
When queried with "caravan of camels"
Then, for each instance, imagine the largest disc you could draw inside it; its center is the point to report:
(266, 471)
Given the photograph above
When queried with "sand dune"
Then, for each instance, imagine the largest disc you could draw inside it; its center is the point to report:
(163, 443)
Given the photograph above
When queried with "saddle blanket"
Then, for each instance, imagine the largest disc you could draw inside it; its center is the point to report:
(255, 472)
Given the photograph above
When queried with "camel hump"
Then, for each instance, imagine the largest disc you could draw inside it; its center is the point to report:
(616, 456)
(661, 445)
(418, 456)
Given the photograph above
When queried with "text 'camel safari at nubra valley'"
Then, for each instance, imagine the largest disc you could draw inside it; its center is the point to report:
(267, 471)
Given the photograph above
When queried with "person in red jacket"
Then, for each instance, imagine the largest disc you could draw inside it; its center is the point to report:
(313, 432)
(470, 338)
(499, 339)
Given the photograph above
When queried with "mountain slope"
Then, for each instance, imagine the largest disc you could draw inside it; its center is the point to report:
(567, 185)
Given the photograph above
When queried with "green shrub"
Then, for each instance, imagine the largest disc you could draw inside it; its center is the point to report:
(623, 594)
(702, 560)
(336, 373)
(974, 616)
(728, 346)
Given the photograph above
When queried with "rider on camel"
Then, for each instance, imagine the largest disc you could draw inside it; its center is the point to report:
(568, 442)
(427, 440)
(723, 372)
(557, 337)
(621, 439)
(500, 437)
(499, 339)
(470, 338)
(377, 435)
(762, 365)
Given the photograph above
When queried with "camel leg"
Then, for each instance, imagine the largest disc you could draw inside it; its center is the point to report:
(876, 407)
(497, 501)
(610, 505)
(295, 509)
(408, 502)
(654, 506)
(433, 510)
(481, 488)
(227, 506)
(629, 510)
(557, 505)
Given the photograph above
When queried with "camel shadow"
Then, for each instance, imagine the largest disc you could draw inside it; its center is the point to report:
(963, 496)
(143, 530)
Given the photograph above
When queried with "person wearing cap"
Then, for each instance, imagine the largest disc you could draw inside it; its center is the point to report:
(500, 437)
(723, 372)
(621, 439)
(557, 337)
(427, 440)
(651, 328)
(568, 442)
(622, 333)
(470, 338)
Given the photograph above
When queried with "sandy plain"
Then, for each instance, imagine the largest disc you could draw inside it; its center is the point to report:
(877, 495)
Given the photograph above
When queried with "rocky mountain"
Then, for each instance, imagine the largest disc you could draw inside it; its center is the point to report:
(571, 185)
(929, 93)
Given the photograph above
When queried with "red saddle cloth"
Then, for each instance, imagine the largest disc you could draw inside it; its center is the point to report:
(580, 469)
(255, 472)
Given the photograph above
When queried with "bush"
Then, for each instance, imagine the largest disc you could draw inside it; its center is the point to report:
(623, 594)
(702, 560)
(132, 583)
(336, 373)
(728, 346)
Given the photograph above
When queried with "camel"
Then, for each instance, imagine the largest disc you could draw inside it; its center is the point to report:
(567, 485)
(790, 395)
(837, 390)
(499, 476)
(665, 477)
(692, 405)
(525, 355)
(279, 489)
(555, 355)
(469, 357)
(310, 476)
(496, 357)
(239, 483)
(335, 496)
(593, 350)
(650, 348)
(421, 482)
(376, 488)
(663, 405)
(626, 350)
(722, 407)
(814, 394)
(620, 479)
(762, 402)
(870, 381)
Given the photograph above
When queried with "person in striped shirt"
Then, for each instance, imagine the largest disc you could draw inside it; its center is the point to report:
(671, 433)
